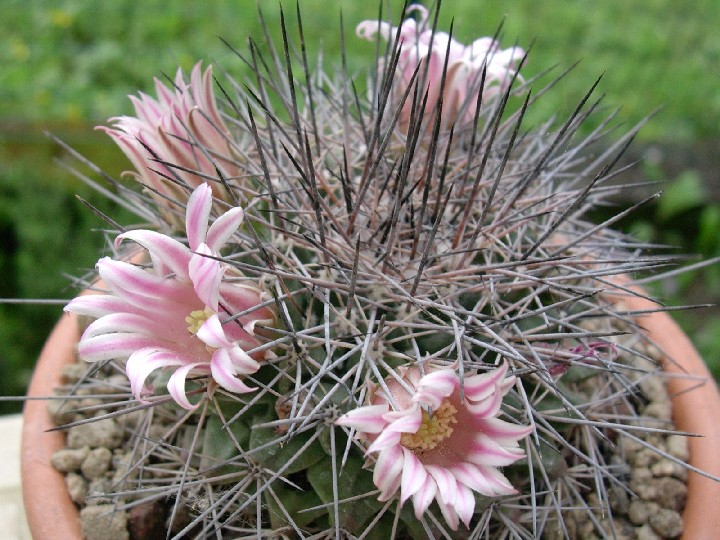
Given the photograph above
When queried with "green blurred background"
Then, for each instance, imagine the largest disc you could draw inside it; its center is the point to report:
(66, 66)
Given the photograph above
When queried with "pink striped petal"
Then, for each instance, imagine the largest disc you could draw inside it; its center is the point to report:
(385, 440)
(464, 504)
(436, 386)
(242, 362)
(212, 334)
(504, 432)
(479, 387)
(224, 227)
(407, 421)
(176, 386)
(121, 275)
(485, 451)
(367, 419)
(224, 373)
(387, 475)
(122, 322)
(424, 496)
(486, 408)
(172, 253)
(98, 305)
(413, 475)
(113, 346)
(500, 484)
(446, 482)
(449, 513)
(206, 274)
(197, 215)
(143, 362)
(472, 476)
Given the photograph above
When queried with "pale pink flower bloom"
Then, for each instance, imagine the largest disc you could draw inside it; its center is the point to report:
(176, 312)
(182, 128)
(465, 64)
(438, 438)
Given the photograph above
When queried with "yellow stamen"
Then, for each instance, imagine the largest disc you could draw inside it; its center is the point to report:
(197, 318)
(433, 429)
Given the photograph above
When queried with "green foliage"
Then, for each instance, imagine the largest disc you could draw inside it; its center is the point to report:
(351, 481)
(77, 60)
(46, 234)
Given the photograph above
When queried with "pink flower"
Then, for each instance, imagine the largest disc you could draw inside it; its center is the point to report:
(465, 64)
(181, 128)
(188, 311)
(439, 438)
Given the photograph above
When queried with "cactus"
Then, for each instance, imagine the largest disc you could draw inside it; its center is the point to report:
(433, 318)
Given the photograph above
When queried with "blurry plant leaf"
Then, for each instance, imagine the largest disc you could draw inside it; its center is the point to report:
(682, 194)
(293, 501)
(218, 445)
(277, 455)
(708, 240)
(352, 480)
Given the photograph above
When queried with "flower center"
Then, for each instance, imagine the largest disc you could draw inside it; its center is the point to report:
(433, 429)
(197, 318)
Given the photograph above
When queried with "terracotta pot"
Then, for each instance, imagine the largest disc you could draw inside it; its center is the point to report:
(50, 512)
(696, 409)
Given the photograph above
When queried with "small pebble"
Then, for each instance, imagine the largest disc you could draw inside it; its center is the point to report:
(671, 494)
(653, 388)
(122, 465)
(97, 463)
(69, 459)
(677, 446)
(661, 410)
(62, 411)
(630, 448)
(646, 458)
(665, 467)
(619, 499)
(72, 373)
(667, 523)
(98, 490)
(639, 511)
(95, 434)
(646, 533)
(77, 487)
(103, 522)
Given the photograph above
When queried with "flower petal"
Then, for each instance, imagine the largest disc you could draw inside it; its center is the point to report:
(176, 386)
(504, 432)
(113, 346)
(435, 386)
(143, 362)
(197, 215)
(206, 274)
(212, 334)
(172, 253)
(98, 305)
(224, 373)
(479, 387)
(122, 322)
(413, 475)
(446, 482)
(424, 496)
(464, 504)
(387, 475)
(224, 227)
(448, 512)
(485, 451)
(368, 419)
